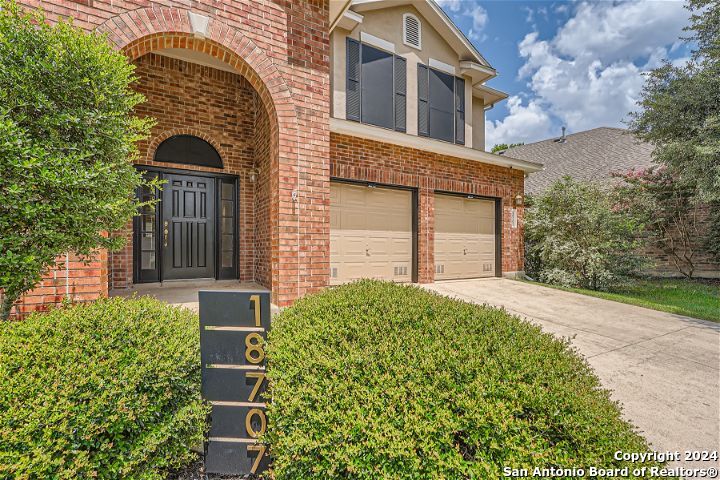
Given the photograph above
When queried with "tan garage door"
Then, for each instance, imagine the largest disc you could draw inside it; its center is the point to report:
(370, 233)
(464, 237)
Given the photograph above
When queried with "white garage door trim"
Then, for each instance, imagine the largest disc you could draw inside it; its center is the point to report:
(358, 240)
(465, 249)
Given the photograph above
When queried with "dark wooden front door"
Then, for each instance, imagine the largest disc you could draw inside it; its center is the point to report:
(188, 227)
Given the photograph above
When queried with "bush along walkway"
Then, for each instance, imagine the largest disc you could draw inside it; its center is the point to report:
(376, 380)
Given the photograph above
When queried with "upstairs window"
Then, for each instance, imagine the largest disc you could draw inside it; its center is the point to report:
(441, 105)
(412, 31)
(376, 86)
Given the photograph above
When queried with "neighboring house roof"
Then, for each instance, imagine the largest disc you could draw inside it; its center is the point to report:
(592, 155)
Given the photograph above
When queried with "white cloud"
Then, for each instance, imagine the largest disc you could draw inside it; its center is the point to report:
(590, 73)
(479, 20)
(609, 32)
(450, 5)
(525, 123)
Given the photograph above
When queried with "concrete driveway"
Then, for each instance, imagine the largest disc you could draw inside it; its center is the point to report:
(663, 368)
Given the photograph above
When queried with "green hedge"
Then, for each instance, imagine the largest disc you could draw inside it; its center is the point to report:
(374, 380)
(104, 390)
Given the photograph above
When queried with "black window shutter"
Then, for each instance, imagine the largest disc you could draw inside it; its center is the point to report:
(459, 111)
(353, 80)
(423, 101)
(400, 75)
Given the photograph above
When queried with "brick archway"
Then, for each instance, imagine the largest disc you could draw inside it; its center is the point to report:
(141, 31)
(145, 30)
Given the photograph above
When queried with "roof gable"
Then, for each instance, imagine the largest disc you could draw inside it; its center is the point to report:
(436, 17)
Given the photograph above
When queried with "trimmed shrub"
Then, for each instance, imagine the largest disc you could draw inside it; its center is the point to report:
(105, 390)
(578, 237)
(376, 380)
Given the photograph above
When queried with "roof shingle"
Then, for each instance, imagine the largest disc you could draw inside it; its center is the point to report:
(591, 155)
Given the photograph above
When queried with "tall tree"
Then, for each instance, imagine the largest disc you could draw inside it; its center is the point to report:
(680, 107)
(67, 141)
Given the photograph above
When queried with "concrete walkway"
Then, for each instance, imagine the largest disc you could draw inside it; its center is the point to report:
(184, 293)
(663, 368)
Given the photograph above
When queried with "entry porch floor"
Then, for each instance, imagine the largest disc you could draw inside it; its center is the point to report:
(184, 293)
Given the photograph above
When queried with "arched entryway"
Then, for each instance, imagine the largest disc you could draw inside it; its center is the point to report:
(221, 92)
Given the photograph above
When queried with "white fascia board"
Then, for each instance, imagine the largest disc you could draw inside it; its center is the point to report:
(377, 42)
(337, 9)
(479, 73)
(489, 95)
(369, 132)
(437, 64)
(350, 20)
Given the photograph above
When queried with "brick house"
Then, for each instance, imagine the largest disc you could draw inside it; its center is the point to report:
(304, 143)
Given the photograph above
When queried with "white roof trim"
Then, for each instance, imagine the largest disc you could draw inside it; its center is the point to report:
(337, 9)
(489, 95)
(437, 64)
(369, 132)
(349, 20)
(476, 70)
(377, 42)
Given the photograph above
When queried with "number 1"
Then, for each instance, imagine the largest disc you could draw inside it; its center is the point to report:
(255, 299)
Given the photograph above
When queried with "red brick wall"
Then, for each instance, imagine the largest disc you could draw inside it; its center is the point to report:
(663, 265)
(262, 203)
(282, 49)
(75, 280)
(359, 159)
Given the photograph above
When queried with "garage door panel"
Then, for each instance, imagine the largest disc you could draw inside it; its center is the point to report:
(464, 237)
(373, 236)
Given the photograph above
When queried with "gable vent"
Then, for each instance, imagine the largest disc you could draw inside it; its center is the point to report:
(412, 31)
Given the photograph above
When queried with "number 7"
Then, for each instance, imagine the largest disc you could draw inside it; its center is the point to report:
(261, 453)
(260, 379)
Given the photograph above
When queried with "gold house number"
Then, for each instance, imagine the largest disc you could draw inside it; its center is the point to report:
(254, 354)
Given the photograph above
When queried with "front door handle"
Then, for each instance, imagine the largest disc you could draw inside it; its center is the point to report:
(166, 232)
(464, 251)
(367, 252)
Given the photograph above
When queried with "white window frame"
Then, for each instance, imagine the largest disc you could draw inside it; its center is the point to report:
(405, 42)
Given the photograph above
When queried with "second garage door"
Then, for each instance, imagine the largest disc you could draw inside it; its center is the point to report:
(370, 233)
(464, 237)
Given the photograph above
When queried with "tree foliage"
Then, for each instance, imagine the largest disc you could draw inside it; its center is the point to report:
(667, 208)
(577, 238)
(67, 141)
(504, 146)
(680, 107)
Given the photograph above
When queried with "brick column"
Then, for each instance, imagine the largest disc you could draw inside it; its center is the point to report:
(426, 235)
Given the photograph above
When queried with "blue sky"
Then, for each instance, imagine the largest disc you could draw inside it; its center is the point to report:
(572, 63)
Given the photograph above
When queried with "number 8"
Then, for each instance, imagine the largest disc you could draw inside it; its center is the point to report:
(253, 345)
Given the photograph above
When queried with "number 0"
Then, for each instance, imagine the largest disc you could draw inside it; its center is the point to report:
(248, 422)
